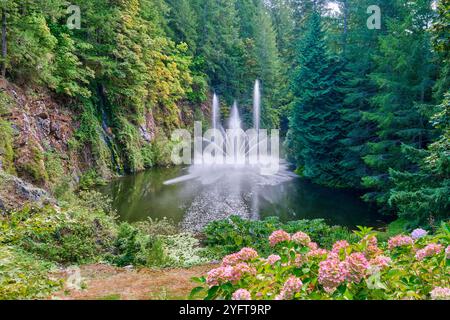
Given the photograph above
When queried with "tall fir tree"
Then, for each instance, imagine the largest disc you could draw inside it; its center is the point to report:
(315, 126)
(404, 77)
(421, 196)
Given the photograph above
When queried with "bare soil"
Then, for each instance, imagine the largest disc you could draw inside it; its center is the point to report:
(104, 282)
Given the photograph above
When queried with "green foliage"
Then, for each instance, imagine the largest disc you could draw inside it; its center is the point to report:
(34, 166)
(24, 276)
(90, 179)
(422, 196)
(132, 247)
(6, 142)
(402, 92)
(232, 234)
(69, 235)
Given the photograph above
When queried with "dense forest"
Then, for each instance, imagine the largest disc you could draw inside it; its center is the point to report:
(362, 108)
(92, 207)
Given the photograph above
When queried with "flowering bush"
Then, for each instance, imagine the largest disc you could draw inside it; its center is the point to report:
(406, 267)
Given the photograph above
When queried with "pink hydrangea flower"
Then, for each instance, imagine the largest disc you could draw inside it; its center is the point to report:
(313, 246)
(418, 233)
(400, 241)
(231, 259)
(272, 259)
(240, 270)
(340, 245)
(242, 294)
(381, 261)
(226, 274)
(246, 254)
(439, 293)
(301, 238)
(447, 252)
(299, 260)
(318, 253)
(372, 249)
(357, 266)
(290, 288)
(278, 236)
(332, 272)
(219, 275)
(430, 250)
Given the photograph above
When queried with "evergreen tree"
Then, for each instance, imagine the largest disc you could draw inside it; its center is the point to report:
(220, 47)
(422, 196)
(404, 77)
(315, 126)
(441, 39)
(183, 23)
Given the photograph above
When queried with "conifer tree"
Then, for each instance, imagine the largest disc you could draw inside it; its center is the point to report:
(315, 122)
(404, 76)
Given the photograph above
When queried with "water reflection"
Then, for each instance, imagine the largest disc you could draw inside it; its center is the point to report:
(194, 203)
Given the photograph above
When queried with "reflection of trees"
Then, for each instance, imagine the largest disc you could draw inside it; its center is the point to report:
(135, 196)
(300, 199)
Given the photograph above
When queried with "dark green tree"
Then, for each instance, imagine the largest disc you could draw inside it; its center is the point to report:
(315, 126)
(404, 75)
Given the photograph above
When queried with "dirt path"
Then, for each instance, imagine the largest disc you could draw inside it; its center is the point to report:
(105, 282)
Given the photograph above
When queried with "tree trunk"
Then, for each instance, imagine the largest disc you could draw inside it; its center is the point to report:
(4, 47)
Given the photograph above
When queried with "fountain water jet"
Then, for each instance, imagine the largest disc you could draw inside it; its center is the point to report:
(215, 111)
(256, 106)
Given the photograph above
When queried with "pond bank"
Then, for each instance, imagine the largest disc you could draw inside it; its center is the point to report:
(105, 282)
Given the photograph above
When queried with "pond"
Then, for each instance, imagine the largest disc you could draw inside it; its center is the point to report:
(195, 202)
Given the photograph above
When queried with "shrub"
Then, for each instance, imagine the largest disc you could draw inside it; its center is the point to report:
(134, 247)
(234, 233)
(24, 276)
(69, 235)
(183, 251)
(406, 267)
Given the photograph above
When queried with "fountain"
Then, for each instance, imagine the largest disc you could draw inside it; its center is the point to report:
(256, 106)
(215, 111)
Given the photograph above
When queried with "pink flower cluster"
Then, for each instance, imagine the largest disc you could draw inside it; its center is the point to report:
(357, 266)
(332, 272)
(226, 274)
(299, 260)
(381, 261)
(278, 236)
(313, 246)
(246, 254)
(340, 245)
(400, 241)
(290, 288)
(301, 238)
(439, 293)
(447, 252)
(372, 249)
(430, 250)
(272, 259)
(242, 294)
(317, 253)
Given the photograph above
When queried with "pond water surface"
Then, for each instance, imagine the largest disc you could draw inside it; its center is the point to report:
(194, 203)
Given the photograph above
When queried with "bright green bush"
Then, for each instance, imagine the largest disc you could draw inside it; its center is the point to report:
(406, 267)
(69, 235)
(24, 276)
(232, 234)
